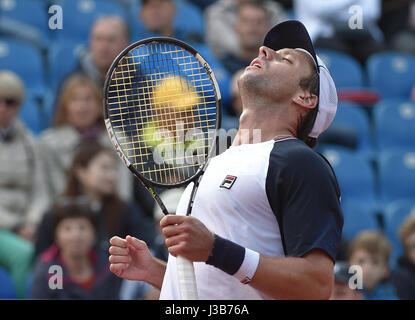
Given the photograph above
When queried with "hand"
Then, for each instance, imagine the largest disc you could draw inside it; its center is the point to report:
(130, 258)
(187, 237)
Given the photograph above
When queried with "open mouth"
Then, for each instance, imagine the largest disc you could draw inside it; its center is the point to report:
(256, 63)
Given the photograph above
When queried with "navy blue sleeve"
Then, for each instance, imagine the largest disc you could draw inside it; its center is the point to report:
(305, 197)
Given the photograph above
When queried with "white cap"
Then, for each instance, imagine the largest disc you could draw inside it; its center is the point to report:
(327, 105)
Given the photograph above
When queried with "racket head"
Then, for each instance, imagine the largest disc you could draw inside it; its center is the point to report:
(161, 94)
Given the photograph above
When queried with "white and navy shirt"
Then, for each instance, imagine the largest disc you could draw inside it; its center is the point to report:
(279, 198)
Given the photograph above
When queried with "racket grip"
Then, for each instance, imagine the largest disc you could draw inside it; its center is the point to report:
(187, 279)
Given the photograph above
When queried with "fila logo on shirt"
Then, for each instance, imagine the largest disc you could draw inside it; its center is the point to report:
(228, 182)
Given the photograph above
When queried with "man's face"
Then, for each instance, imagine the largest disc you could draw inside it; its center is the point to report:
(158, 15)
(276, 74)
(252, 26)
(108, 39)
(374, 268)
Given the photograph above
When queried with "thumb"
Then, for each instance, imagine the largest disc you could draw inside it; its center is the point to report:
(136, 243)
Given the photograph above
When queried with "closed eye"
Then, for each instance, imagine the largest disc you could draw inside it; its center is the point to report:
(289, 61)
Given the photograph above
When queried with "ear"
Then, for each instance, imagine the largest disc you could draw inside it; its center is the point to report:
(306, 100)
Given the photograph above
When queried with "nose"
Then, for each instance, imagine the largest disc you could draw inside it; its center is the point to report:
(266, 52)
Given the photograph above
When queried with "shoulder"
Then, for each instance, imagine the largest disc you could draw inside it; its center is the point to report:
(296, 154)
(295, 166)
(51, 133)
(55, 136)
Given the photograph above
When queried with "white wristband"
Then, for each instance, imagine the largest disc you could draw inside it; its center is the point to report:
(248, 268)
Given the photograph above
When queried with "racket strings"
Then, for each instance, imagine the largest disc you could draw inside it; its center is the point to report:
(161, 98)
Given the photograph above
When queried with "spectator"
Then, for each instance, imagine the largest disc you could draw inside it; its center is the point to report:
(329, 24)
(370, 250)
(398, 24)
(404, 276)
(342, 289)
(109, 36)
(85, 273)
(157, 17)
(253, 22)
(78, 119)
(221, 18)
(24, 193)
(16, 256)
(93, 174)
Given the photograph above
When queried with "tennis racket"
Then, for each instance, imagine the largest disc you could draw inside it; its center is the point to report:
(162, 110)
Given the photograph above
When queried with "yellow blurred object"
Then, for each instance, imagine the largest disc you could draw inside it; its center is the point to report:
(175, 92)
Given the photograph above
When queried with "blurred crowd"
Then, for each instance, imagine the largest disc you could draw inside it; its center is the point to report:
(64, 192)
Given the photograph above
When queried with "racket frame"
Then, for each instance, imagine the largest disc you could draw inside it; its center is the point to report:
(148, 184)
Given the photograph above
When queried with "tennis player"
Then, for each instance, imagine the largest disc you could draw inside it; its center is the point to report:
(266, 221)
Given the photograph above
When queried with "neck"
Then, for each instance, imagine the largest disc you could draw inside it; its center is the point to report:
(94, 197)
(76, 265)
(167, 31)
(256, 127)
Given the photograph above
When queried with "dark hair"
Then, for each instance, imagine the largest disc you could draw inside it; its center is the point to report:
(311, 84)
(112, 206)
(73, 207)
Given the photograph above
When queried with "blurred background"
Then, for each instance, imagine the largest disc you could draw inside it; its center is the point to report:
(54, 56)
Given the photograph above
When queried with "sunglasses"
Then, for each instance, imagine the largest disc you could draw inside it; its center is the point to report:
(9, 102)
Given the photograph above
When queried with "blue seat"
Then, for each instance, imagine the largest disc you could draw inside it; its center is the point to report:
(79, 16)
(345, 70)
(26, 61)
(351, 115)
(396, 174)
(67, 51)
(27, 16)
(358, 218)
(7, 287)
(394, 215)
(189, 18)
(394, 121)
(355, 176)
(391, 73)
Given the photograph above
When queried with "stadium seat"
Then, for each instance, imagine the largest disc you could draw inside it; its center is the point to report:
(391, 73)
(26, 61)
(28, 15)
(189, 18)
(355, 176)
(394, 121)
(345, 70)
(7, 288)
(68, 52)
(351, 115)
(396, 170)
(394, 215)
(357, 218)
(79, 16)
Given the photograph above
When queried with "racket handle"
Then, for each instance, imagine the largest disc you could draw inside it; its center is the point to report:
(186, 275)
(187, 279)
